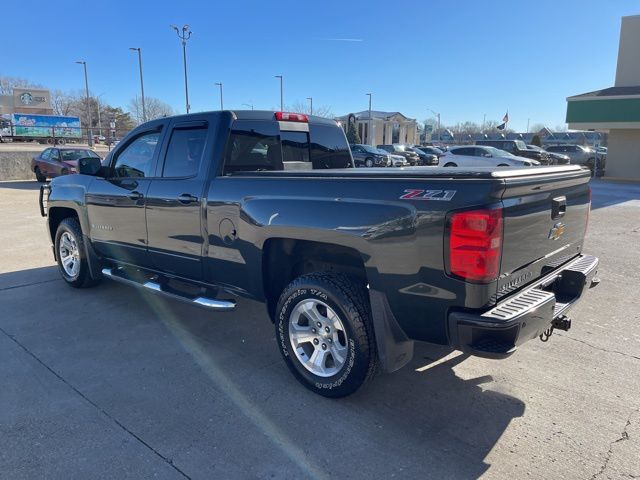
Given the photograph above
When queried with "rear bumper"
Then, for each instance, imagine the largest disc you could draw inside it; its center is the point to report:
(498, 332)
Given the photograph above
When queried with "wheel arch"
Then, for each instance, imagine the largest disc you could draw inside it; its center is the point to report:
(284, 259)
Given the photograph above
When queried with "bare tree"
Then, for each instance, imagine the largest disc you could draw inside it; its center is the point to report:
(154, 107)
(63, 102)
(7, 84)
(305, 107)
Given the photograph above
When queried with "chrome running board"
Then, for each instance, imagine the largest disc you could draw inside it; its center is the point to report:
(150, 286)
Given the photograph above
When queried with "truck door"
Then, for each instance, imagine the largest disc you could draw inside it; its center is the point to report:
(174, 208)
(116, 204)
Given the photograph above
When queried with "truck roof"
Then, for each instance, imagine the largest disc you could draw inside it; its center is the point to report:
(266, 115)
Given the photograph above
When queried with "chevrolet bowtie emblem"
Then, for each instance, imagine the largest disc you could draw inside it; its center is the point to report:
(556, 231)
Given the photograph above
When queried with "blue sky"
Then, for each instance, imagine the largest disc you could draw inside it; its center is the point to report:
(463, 59)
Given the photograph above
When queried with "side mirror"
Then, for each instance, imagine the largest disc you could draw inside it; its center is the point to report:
(89, 166)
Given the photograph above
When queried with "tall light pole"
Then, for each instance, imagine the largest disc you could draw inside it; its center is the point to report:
(281, 93)
(248, 105)
(184, 36)
(310, 105)
(438, 117)
(369, 127)
(144, 111)
(86, 87)
(221, 102)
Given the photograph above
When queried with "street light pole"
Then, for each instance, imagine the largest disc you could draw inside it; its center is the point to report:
(248, 105)
(369, 127)
(438, 117)
(184, 36)
(281, 93)
(221, 102)
(144, 111)
(311, 106)
(86, 87)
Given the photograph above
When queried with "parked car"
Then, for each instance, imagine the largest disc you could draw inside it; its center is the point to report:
(482, 156)
(432, 150)
(398, 160)
(53, 162)
(428, 159)
(578, 154)
(353, 265)
(412, 158)
(556, 158)
(517, 148)
(368, 156)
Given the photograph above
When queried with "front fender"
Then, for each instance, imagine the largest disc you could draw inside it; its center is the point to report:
(69, 191)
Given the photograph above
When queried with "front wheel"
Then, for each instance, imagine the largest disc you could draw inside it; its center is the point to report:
(325, 334)
(368, 162)
(39, 175)
(450, 164)
(70, 254)
(503, 165)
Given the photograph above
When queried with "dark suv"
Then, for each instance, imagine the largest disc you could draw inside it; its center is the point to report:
(368, 156)
(412, 157)
(518, 148)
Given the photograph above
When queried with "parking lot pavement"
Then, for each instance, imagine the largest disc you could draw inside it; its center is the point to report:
(111, 383)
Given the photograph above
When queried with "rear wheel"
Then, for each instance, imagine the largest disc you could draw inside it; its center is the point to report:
(40, 177)
(325, 335)
(503, 165)
(450, 164)
(70, 254)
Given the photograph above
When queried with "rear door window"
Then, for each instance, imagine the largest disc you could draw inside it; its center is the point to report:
(329, 147)
(184, 153)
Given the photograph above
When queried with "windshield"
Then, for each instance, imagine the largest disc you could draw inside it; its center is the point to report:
(68, 155)
(521, 145)
(398, 148)
(370, 149)
(498, 153)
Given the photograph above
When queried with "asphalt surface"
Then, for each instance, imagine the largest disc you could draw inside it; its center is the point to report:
(110, 383)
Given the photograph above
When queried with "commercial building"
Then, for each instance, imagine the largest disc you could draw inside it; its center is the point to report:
(616, 109)
(386, 127)
(26, 100)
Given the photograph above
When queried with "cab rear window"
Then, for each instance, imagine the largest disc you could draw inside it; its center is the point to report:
(256, 146)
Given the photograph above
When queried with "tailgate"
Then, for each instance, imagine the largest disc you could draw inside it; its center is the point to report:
(545, 218)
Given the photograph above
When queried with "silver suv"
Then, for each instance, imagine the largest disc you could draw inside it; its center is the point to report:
(577, 153)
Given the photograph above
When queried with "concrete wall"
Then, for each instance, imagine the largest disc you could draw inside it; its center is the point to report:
(623, 157)
(16, 165)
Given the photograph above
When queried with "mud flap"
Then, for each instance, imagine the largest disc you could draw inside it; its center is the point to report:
(93, 261)
(395, 349)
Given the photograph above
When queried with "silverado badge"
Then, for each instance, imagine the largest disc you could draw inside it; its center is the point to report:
(556, 231)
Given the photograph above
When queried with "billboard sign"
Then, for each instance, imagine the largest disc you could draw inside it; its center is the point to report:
(25, 125)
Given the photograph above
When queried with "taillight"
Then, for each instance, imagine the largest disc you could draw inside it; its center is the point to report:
(475, 244)
(291, 117)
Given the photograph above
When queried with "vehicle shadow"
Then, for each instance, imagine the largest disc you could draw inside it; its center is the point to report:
(605, 193)
(21, 184)
(435, 418)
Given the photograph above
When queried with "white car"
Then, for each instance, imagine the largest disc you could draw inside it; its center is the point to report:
(482, 156)
(398, 160)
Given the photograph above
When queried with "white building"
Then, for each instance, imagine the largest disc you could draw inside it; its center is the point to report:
(386, 127)
(616, 109)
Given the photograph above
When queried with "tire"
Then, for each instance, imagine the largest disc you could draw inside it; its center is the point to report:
(64, 171)
(315, 297)
(39, 176)
(368, 163)
(69, 238)
(450, 164)
(503, 165)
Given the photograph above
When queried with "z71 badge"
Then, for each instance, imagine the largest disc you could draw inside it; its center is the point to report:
(417, 194)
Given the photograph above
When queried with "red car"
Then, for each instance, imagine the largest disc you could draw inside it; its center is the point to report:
(53, 162)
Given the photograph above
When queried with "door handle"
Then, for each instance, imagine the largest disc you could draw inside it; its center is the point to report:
(558, 207)
(135, 195)
(187, 198)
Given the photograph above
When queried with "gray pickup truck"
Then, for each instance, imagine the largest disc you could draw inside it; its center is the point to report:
(354, 265)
